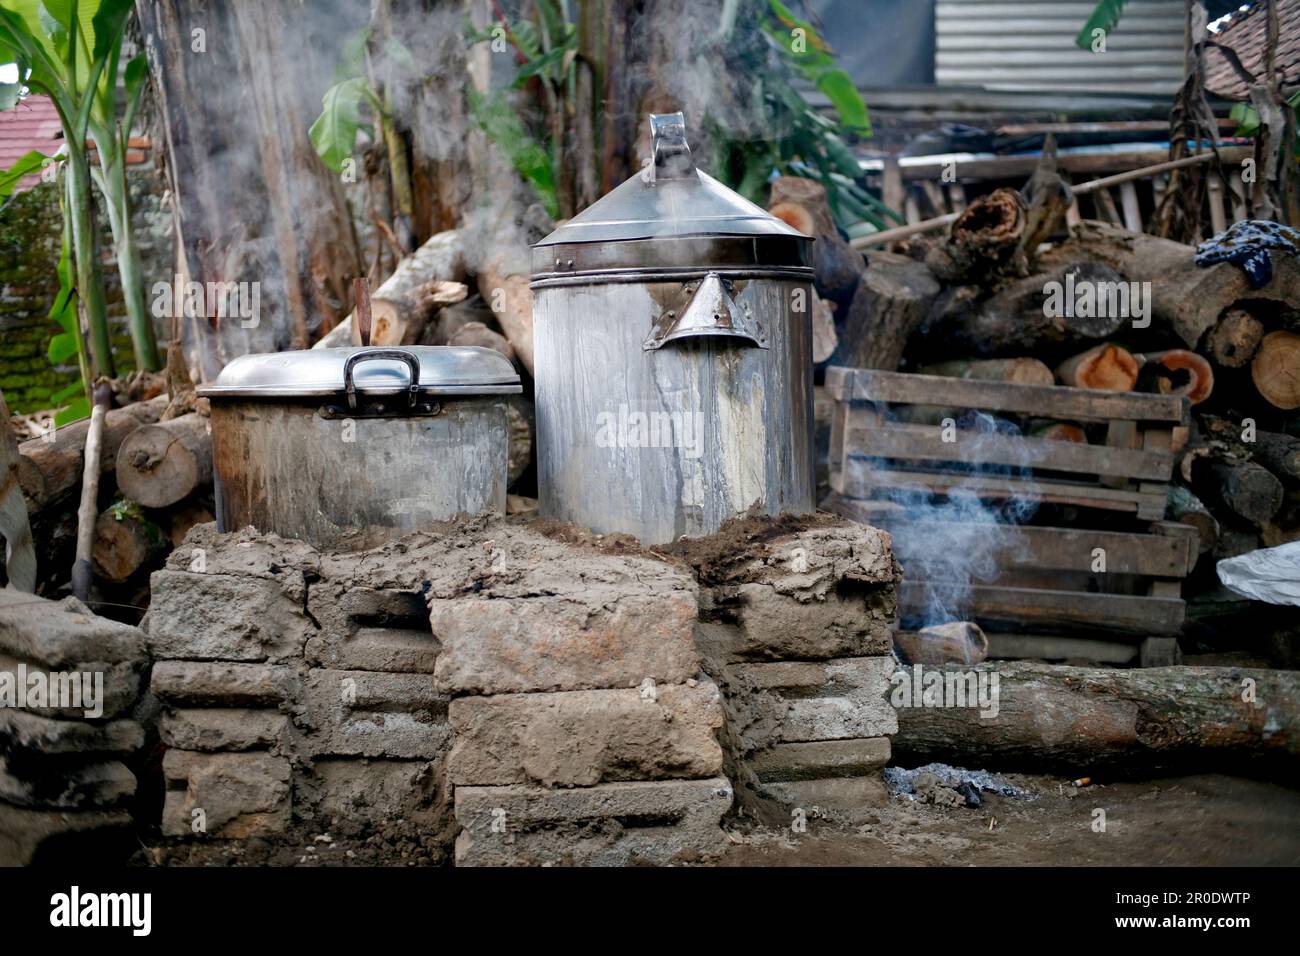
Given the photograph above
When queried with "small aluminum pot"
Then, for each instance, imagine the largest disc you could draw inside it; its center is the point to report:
(348, 448)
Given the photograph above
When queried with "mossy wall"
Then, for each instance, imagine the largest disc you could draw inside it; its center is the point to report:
(30, 230)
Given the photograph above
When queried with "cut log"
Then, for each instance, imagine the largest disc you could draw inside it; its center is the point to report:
(1047, 196)
(478, 334)
(422, 282)
(1057, 431)
(1233, 342)
(824, 337)
(1280, 454)
(160, 464)
(957, 642)
(1107, 368)
(511, 302)
(15, 529)
(1276, 369)
(51, 466)
(1023, 371)
(893, 299)
(1247, 490)
(1077, 718)
(1185, 298)
(1176, 372)
(182, 519)
(984, 242)
(1185, 508)
(1035, 315)
(837, 266)
(126, 541)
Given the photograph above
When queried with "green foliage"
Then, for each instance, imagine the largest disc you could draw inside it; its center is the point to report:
(334, 133)
(530, 159)
(1105, 17)
(25, 164)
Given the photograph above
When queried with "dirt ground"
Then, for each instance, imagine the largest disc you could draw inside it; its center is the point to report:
(1202, 820)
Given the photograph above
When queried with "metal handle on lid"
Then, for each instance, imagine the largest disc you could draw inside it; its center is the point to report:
(367, 355)
(672, 157)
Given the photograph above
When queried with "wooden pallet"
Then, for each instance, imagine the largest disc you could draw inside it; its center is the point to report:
(873, 454)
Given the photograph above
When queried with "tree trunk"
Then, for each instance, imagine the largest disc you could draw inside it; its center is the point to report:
(1076, 718)
(1246, 489)
(1280, 454)
(893, 299)
(837, 266)
(126, 541)
(47, 470)
(1022, 371)
(252, 202)
(1176, 372)
(1233, 342)
(19, 553)
(160, 464)
(985, 242)
(1185, 508)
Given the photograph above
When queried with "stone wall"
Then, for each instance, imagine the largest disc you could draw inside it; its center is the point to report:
(30, 237)
(507, 692)
(65, 786)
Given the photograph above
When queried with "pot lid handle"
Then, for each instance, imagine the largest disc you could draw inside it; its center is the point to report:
(672, 157)
(370, 354)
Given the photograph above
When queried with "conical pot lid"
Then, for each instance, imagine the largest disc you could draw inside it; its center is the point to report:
(668, 200)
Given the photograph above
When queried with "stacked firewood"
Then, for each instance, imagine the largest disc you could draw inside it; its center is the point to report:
(1099, 308)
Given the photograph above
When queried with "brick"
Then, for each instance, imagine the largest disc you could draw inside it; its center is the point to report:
(240, 795)
(581, 738)
(612, 824)
(63, 635)
(223, 729)
(843, 799)
(371, 629)
(212, 683)
(814, 760)
(209, 616)
(117, 685)
(372, 714)
(50, 782)
(24, 731)
(807, 701)
(379, 791)
(569, 642)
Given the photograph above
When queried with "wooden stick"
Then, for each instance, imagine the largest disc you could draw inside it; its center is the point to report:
(361, 307)
(20, 554)
(88, 511)
(929, 225)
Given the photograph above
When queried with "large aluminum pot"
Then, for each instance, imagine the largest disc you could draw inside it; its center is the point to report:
(348, 448)
(673, 356)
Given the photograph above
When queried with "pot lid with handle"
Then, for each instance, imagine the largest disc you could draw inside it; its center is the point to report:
(428, 370)
(669, 214)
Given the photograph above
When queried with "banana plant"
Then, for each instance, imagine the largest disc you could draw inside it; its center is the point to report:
(62, 48)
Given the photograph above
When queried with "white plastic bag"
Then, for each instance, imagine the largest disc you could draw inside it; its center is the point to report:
(1269, 574)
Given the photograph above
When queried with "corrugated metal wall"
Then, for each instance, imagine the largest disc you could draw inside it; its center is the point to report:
(1029, 45)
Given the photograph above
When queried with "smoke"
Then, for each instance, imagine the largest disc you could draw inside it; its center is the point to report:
(960, 540)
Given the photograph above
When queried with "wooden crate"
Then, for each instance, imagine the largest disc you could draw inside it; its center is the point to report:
(872, 454)
(1044, 586)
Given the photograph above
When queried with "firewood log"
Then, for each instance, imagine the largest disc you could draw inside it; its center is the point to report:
(1280, 454)
(1276, 369)
(984, 242)
(1057, 431)
(1081, 718)
(824, 337)
(1176, 372)
(1017, 319)
(892, 300)
(1185, 298)
(837, 266)
(1233, 342)
(182, 519)
(476, 333)
(50, 466)
(511, 302)
(125, 540)
(1185, 508)
(959, 642)
(1247, 490)
(82, 569)
(423, 281)
(158, 465)
(1022, 371)
(1106, 367)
